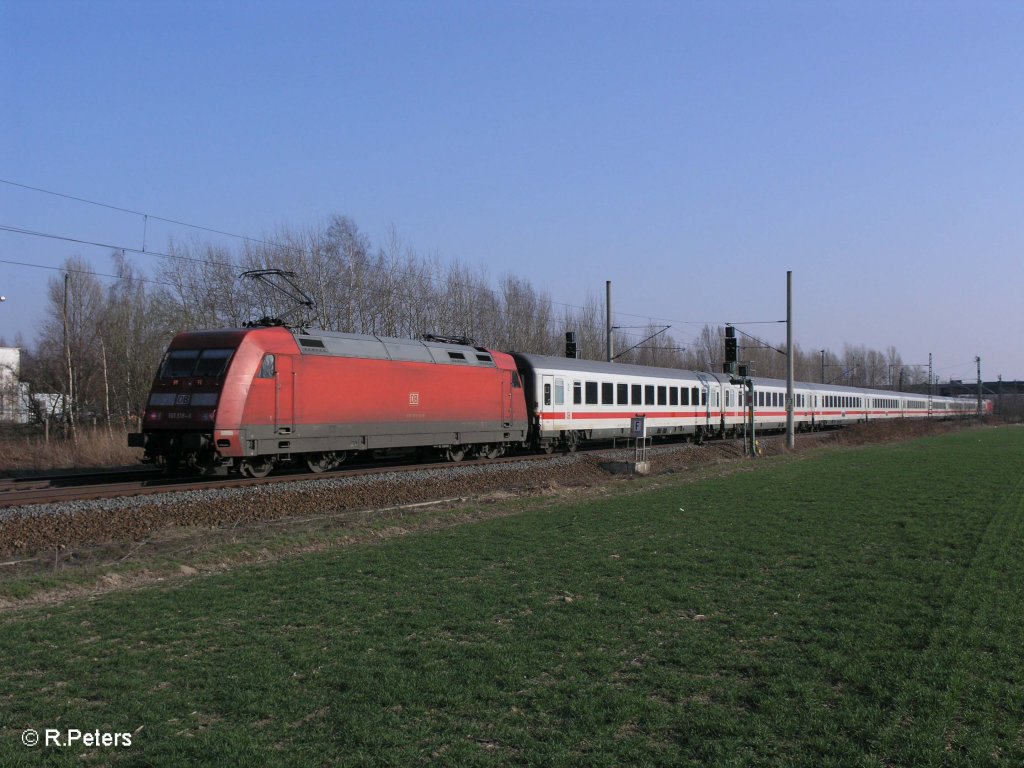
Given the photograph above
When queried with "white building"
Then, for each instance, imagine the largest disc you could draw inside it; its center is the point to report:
(13, 393)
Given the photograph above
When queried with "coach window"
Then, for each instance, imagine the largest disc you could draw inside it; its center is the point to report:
(559, 392)
(703, 397)
(267, 367)
(547, 394)
(637, 392)
(694, 396)
(607, 393)
(591, 387)
(662, 395)
(673, 396)
(648, 394)
(622, 394)
(577, 393)
(684, 396)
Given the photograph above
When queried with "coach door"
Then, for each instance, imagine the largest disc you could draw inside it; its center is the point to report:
(704, 411)
(547, 395)
(284, 396)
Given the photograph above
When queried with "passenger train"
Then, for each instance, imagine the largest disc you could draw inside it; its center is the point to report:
(246, 400)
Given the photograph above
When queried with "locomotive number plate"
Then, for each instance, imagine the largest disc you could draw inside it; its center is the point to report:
(183, 399)
(414, 398)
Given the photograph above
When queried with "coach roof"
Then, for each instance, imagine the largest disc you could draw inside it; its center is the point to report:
(544, 362)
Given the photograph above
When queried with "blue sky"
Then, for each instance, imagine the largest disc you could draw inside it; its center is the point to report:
(690, 152)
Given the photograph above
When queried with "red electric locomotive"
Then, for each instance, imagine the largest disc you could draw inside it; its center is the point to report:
(248, 399)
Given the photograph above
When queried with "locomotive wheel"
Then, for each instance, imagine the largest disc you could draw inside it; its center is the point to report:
(456, 453)
(258, 467)
(322, 462)
(491, 451)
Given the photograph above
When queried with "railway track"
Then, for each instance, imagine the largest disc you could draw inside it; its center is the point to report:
(19, 492)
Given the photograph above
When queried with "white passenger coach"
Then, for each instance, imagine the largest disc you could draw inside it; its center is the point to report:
(575, 400)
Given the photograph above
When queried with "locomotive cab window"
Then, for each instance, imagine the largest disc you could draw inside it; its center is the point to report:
(213, 363)
(267, 368)
(516, 382)
(179, 363)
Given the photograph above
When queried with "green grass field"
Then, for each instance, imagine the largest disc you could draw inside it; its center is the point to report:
(855, 607)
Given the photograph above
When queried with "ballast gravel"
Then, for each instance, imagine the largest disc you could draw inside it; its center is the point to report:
(50, 526)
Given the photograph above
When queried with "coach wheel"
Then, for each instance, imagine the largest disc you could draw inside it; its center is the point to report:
(572, 442)
(456, 453)
(547, 448)
(322, 462)
(258, 467)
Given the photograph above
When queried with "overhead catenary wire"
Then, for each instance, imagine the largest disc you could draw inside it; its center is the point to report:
(146, 216)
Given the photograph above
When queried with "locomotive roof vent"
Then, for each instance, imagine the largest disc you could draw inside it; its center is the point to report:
(441, 339)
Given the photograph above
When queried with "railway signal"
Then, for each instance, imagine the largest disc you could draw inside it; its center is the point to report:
(731, 349)
(570, 344)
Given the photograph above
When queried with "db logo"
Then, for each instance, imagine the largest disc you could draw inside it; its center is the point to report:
(414, 398)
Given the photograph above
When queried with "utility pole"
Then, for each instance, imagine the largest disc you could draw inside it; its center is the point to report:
(978, 361)
(69, 419)
(823, 366)
(930, 394)
(790, 436)
(608, 317)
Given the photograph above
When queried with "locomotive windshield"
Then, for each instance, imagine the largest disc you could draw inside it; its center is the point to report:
(212, 362)
(183, 363)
